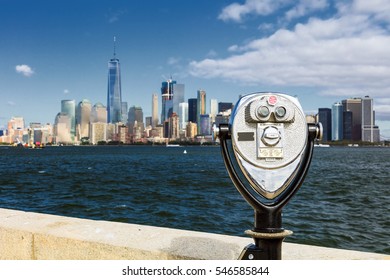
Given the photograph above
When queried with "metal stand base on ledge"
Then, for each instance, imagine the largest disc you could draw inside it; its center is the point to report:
(268, 246)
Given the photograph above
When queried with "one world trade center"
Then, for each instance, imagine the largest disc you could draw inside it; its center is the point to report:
(114, 92)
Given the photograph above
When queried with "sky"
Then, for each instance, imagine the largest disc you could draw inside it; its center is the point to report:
(321, 51)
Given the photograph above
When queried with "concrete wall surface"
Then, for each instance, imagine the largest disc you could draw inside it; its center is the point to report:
(34, 236)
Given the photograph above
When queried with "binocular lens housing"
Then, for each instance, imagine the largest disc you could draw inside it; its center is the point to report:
(269, 134)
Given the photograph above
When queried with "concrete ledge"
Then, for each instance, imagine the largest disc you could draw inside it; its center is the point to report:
(32, 236)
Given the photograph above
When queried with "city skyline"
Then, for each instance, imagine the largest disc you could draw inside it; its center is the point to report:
(318, 50)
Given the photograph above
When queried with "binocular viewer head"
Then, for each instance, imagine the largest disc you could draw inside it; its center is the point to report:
(269, 139)
(267, 149)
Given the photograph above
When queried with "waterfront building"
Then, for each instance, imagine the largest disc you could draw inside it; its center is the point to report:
(114, 91)
(166, 129)
(98, 132)
(83, 118)
(204, 128)
(16, 123)
(325, 118)
(213, 109)
(201, 107)
(191, 130)
(183, 115)
(135, 119)
(4, 138)
(174, 131)
(157, 132)
(337, 121)
(111, 132)
(62, 127)
(124, 112)
(347, 125)
(15, 128)
(138, 132)
(42, 134)
(370, 132)
(166, 99)
(192, 109)
(354, 105)
(225, 106)
(154, 110)
(69, 107)
(123, 134)
(99, 113)
(148, 122)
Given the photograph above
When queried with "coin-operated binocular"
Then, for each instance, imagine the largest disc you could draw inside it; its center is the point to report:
(267, 149)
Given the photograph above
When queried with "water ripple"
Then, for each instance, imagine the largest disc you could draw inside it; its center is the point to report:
(343, 203)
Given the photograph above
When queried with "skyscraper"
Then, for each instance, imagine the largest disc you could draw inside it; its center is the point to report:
(370, 132)
(166, 99)
(337, 121)
(224, 106)
(124, 112)
(135, 120)
(192, 109)
(354, 105)
(325, 118)
(83, 118)
(204, 125)
(69, 107)
(114, 91)
(213, 109)
(99, 113)
(183, 115)
(154, 110)
(174, 131)
(62, 128)
(201, 107)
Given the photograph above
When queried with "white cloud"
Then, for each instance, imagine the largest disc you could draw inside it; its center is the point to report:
(114, 16)
(304, 7)
(344, 55)
(266, 26)
(236, 12)
(212, 53)
(173, 60)
(24, 70)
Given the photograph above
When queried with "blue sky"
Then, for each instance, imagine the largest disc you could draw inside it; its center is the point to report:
(319, 50)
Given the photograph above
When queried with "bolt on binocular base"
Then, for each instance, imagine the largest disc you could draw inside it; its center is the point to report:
(268, 246)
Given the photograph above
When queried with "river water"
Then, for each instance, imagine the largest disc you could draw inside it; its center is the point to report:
(343, 203)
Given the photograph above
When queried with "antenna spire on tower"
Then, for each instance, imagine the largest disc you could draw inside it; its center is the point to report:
(114, 46)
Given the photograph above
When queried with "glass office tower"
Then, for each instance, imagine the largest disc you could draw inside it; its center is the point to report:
(154, 110)
(166, 99)
(69, 107)
(192, 109)
(325, 117)
(337, 121)
(370, 132)
(201, 107)
(354, 105)
(114, 92)
(83, 118)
